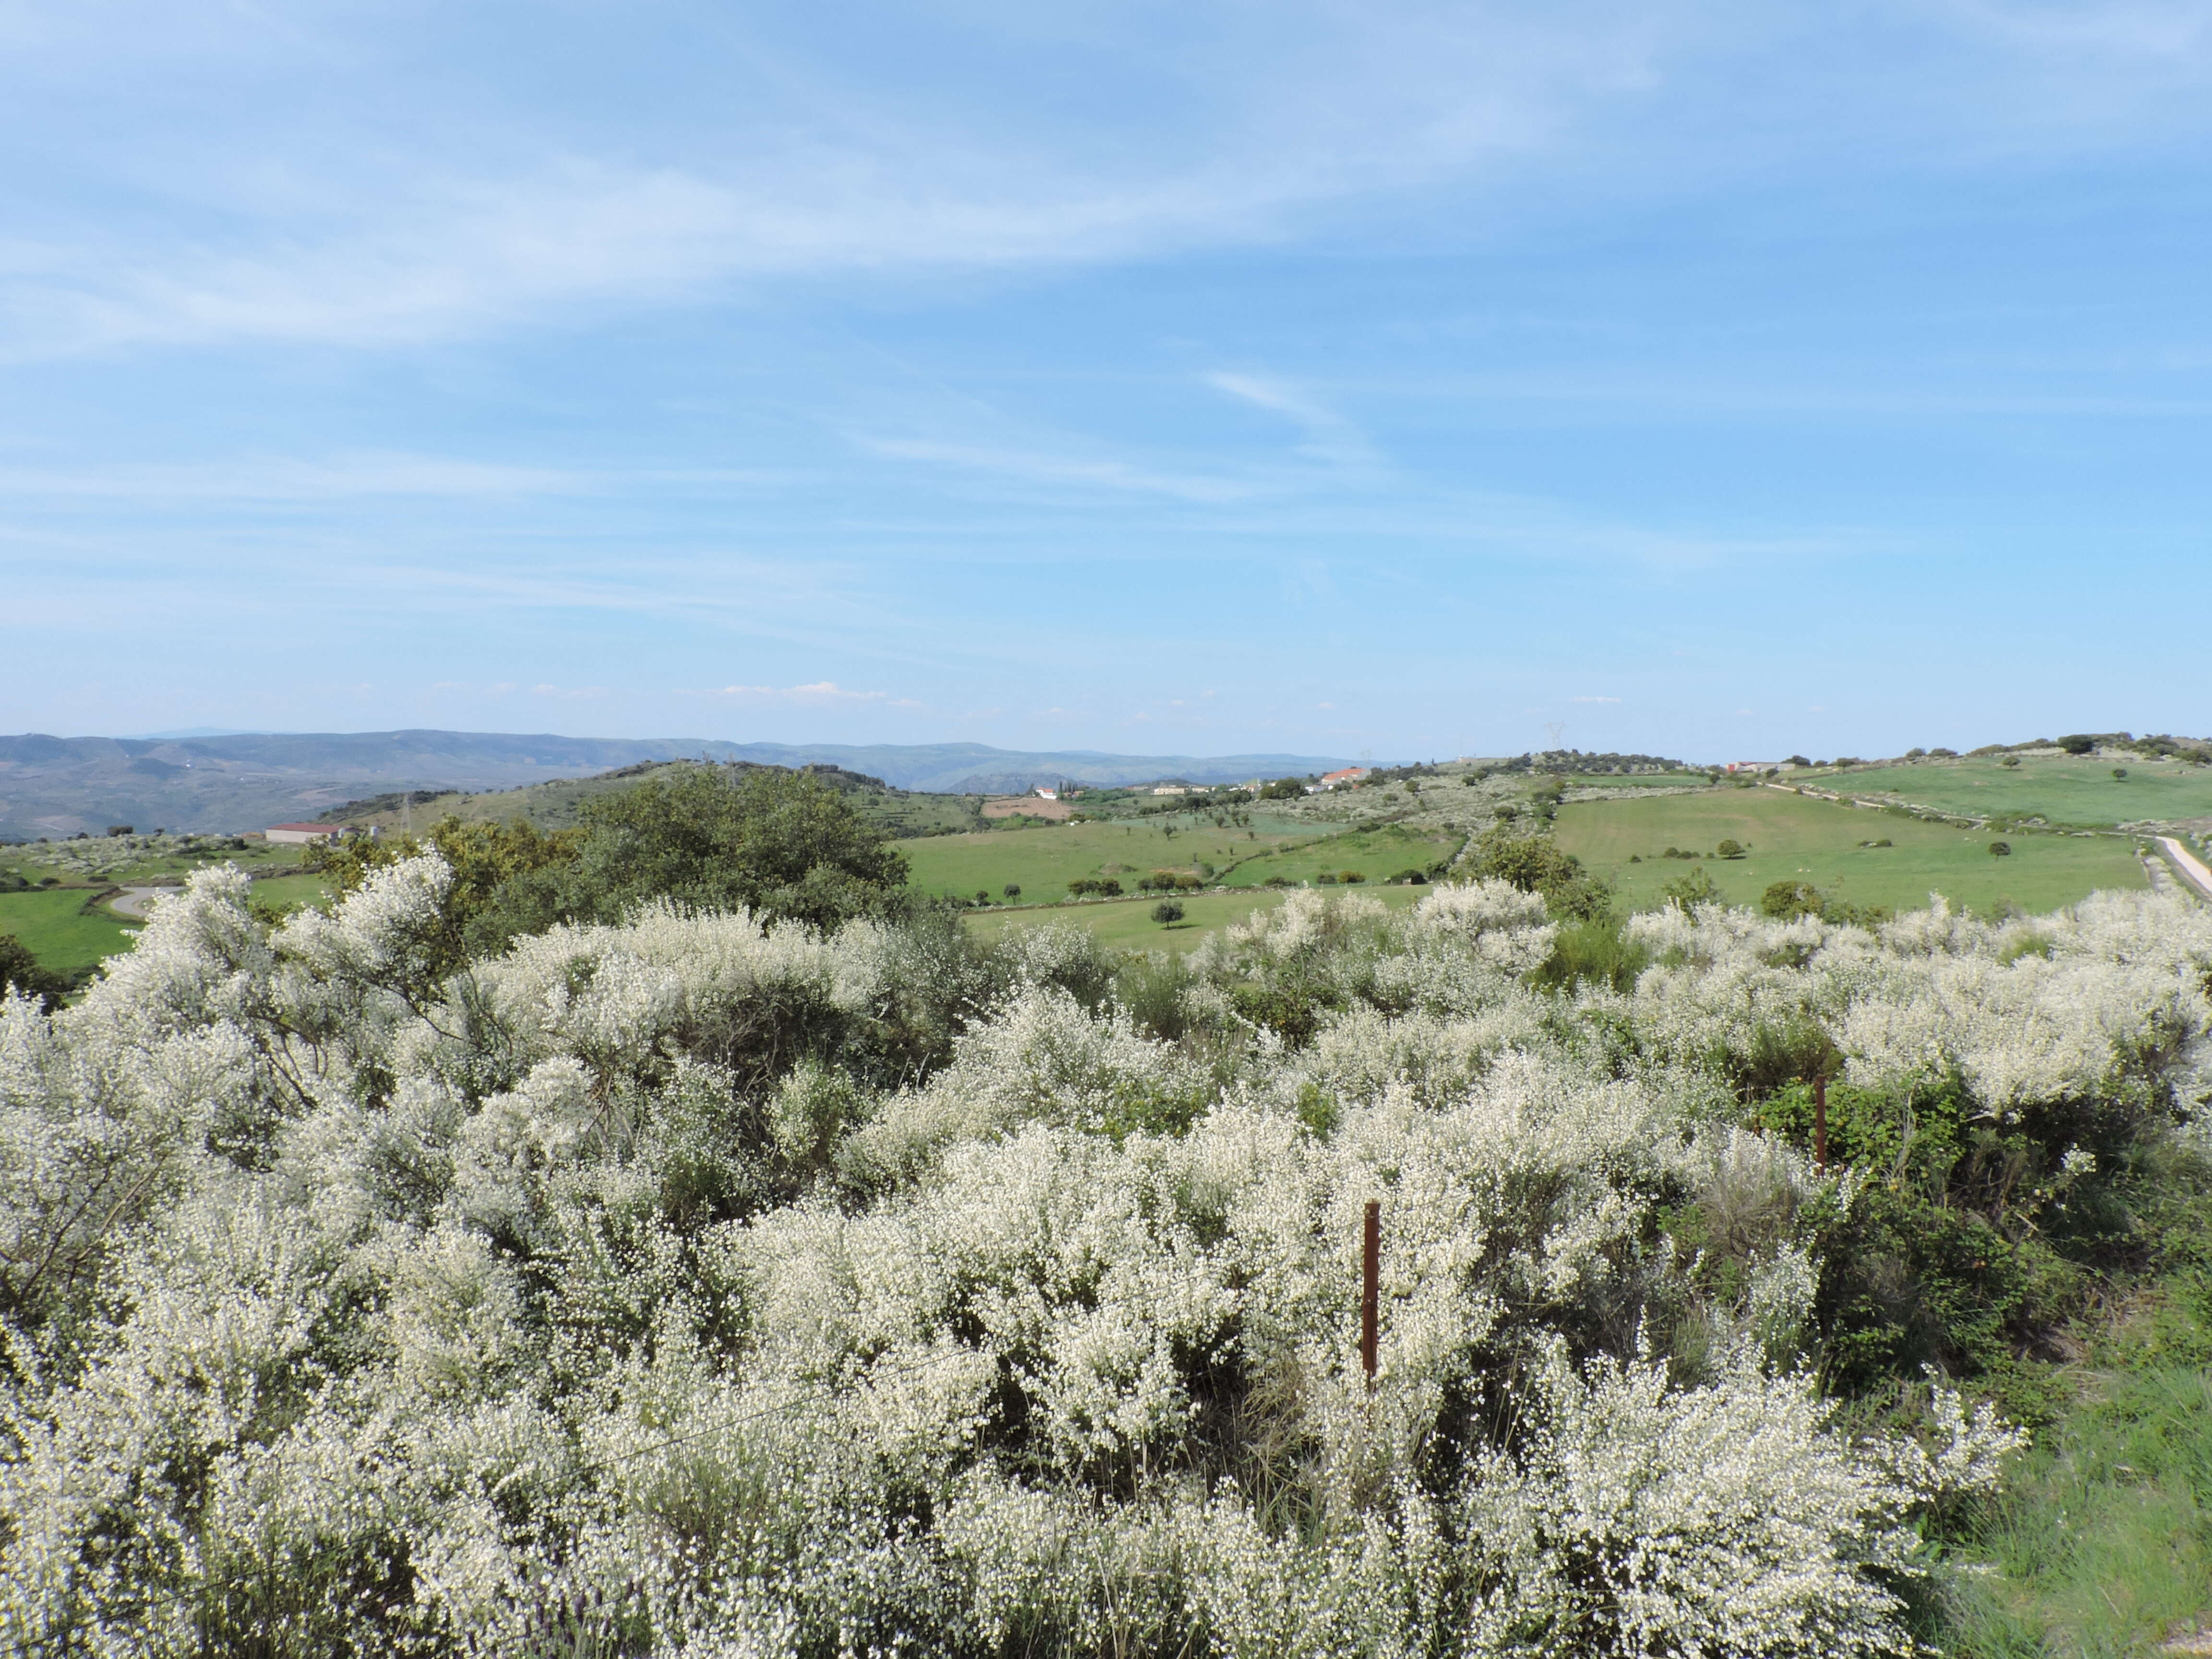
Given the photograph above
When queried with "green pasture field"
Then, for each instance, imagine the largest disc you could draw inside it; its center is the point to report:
(1127, 923)
(1793, 837)
(290, 893)
(2082, 793)
(1041, 861)
(1633, 780)
(27, 861)
(51, 925)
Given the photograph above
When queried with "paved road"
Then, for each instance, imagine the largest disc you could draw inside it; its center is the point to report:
(2188, 866)
(132, 901)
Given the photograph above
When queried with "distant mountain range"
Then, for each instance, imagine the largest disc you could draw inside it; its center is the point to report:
(58, 786)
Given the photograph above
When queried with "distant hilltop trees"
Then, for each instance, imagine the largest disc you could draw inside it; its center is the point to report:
(1574, 760)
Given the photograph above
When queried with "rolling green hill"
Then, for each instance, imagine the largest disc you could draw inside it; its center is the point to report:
(2060, 790)
(1793, 837)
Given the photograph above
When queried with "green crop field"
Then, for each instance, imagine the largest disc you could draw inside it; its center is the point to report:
(2080, 792)
(52, 926)
(1043, 861)
(1127, 924)
(1792, 837)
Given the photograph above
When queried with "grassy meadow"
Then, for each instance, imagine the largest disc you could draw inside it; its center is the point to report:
(1043, 860)
(52, 924)
(1793, 837)
(2080, 793)
(1127, 923)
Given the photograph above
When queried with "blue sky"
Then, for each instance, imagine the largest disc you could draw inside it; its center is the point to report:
(1709, 379)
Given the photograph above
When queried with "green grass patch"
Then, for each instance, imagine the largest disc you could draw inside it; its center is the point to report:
(53, 924)
(290, 893)
(1041, 861)
(1127, 924)
(2102, 1542)
(2082, 792)
(1797, 838)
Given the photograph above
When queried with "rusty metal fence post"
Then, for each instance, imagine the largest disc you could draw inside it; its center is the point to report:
(1820, 1121)
(1370, 1264)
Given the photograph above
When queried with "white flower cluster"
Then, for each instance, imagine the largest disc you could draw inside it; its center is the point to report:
(693, 1286)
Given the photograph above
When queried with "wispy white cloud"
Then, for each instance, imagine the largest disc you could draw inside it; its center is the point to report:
(821, 693)
(263, 214)
(1593, 699)
(1330, 438)
(1063, 470)
(282, 479)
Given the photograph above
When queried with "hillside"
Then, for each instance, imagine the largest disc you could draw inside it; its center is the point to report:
(56, 786)
(559, 804)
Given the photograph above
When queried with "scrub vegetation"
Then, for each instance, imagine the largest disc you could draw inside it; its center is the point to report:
(675, 1236)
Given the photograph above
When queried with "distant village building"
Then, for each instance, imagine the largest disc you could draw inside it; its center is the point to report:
(1338, 779)
(1171, 789)
(1045, 792)
(300, 835)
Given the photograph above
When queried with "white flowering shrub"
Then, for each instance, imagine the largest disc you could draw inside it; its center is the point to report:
(693, 1286)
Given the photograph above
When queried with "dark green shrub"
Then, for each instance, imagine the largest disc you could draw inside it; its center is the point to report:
(2000, 849)
(20, 972)
(1786, 901)
(1167, 912)
(1730, 850)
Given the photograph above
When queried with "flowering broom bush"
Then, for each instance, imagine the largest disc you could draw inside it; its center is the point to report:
(694, 1284)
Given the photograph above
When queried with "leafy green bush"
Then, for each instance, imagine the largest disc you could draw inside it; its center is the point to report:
(1167, 911)
(1785, 901)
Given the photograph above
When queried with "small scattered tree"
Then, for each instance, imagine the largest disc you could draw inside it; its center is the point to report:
(2119, 771)
(1167, 912)
(121, 829)
(2000, 849)
(2078, 743)
(1730, 850)
(1013, 889)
